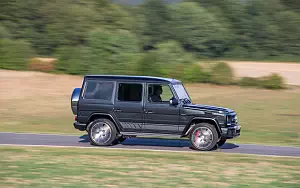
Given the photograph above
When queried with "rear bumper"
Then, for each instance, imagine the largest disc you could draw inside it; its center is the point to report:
(231, 132)
(79, 126)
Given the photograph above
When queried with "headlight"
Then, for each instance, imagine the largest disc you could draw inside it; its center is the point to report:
(231, 120)
(228, 120)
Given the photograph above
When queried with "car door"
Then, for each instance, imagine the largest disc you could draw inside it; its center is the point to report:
(160, 116)
(128, 107)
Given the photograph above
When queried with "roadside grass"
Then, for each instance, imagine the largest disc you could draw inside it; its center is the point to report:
(269, 117)
(80, 167)
(40, 103)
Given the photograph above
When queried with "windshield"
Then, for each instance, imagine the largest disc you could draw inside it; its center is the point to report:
(181, 92)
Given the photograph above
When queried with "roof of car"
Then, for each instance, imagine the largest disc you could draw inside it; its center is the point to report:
(139, 78)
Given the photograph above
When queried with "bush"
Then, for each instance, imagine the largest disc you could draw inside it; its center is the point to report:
(196, 28)
(171, 57)
(111, 52)
(4, 33)
(170, 52)
(149, 65)
(222, 74)
(14, 54)
(72, 60)
(42, 64)
(250, 82)
(274, 81)
(177, 71)
(194, 73)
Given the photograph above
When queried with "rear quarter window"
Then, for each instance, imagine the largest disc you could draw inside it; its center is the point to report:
(100, 90)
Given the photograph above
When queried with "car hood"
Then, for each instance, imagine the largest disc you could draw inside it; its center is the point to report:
(208, 107)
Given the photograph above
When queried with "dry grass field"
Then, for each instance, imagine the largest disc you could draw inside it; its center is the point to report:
(289, 71)
(40, 102)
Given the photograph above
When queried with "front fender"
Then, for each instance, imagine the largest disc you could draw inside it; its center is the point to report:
(195, 120)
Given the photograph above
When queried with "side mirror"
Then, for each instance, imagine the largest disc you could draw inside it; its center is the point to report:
(174, 101)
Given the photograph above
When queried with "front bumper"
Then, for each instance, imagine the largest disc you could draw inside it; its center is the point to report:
(231, 132)
(79, 126)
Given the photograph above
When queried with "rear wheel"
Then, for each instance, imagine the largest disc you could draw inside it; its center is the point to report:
(204, 137)
(102, 132)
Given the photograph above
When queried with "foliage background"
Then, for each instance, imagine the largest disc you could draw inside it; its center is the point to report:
(148, 37)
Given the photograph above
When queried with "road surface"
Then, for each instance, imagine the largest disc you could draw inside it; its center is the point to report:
(141, 143)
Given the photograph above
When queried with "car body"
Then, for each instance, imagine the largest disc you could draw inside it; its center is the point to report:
(112, 108)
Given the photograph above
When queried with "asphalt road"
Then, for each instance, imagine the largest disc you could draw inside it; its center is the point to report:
(142, 143)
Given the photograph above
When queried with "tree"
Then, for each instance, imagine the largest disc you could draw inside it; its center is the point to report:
(170, 55)
(22, 19)
(66, 23)
(153, 20)
(4, 33)
(112, 52)
(116, 17)
(14, 54)
(289, 29)
(198, 30)
(149, 65)
(72, 60)
(293, 4)
(171, 52)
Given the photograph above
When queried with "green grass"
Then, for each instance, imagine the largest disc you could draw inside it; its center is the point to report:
(36, 103)
(71, 167)
(269, 117)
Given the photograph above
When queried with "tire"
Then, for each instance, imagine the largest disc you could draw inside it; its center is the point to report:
(122, 139)
(221, 142)
(204, 137)
(102, 132)
(119, 140)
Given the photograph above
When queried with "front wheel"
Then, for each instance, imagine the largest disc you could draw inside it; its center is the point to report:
(119, 140)
(204, 137)
(221, 142)
(102, 132)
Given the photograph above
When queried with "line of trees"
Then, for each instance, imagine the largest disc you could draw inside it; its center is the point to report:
(98, 36)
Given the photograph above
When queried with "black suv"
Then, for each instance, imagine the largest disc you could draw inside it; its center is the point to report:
(113, 108)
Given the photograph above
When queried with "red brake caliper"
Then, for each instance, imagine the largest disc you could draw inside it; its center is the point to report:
(197, 136)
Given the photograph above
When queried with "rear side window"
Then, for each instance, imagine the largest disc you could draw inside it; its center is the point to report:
(130, 92)
(99, 90)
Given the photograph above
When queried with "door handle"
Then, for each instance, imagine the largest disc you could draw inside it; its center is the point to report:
(118, 110)
(149, 112)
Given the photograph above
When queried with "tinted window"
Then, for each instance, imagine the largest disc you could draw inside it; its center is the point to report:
(130, 92)
(99, 90)
(159, 93)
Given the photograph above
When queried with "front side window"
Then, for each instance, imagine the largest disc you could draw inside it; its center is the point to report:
(159, 93)
(130, 92)
(98, 90)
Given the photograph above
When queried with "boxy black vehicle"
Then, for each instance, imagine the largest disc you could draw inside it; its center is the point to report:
(113, 108)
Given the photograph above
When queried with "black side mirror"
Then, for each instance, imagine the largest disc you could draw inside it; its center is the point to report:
(174, 101)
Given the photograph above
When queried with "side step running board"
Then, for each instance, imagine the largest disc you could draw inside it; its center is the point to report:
(135, 134)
